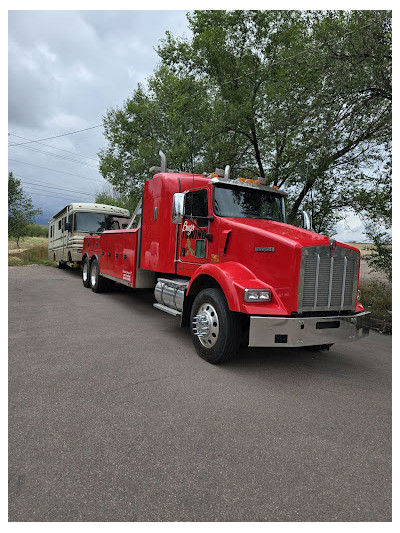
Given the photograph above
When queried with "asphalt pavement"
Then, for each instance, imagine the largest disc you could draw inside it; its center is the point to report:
(114, 417)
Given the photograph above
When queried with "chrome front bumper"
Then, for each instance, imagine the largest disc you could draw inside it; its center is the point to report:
(297, 332)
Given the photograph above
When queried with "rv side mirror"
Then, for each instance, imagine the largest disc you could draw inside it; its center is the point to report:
(68, 226)
(178, 202)
(306, 220)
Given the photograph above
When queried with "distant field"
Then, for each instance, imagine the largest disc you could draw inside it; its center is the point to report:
(364, 248)
(26, 242)
(32, 250)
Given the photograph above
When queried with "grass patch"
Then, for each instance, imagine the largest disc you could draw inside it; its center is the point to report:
(376, 297)
(34, 255)
(27, 242)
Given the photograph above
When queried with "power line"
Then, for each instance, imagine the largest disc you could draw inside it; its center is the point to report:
(31, 189)
(57, 136)
(54, 170)
(70, 197)
(44, 186)
(54, 147)
(59, 156)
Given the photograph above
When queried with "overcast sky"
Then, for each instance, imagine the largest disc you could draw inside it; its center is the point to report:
(66, 69)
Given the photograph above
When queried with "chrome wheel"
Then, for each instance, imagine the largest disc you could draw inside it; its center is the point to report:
(85, 271)
(206, 325)
(215, 330)
(93, 274)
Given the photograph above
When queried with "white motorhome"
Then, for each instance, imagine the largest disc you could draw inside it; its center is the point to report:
(68, 228)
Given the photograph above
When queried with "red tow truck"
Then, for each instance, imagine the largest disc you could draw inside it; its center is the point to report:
(219, 254)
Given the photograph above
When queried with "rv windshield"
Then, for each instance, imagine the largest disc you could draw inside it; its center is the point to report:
(242, 202)
(88, 222)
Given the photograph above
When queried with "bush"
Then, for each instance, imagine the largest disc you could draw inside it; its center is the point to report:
(380, 257)
(376, 297)
(36, 230)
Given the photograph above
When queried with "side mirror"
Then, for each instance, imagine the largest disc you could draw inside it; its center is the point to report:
(68, 226)
(306, 220)
(178, 202)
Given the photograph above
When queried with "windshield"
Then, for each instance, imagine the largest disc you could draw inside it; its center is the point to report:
(241, 202)
(95, 222)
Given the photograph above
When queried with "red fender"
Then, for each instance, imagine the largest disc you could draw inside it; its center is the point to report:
(234, 278)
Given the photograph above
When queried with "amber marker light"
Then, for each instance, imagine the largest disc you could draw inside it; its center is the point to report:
(214, 258)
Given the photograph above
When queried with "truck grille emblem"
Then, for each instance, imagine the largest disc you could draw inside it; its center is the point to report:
(333, 246)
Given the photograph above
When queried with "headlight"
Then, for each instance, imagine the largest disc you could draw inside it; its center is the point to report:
(358, 295)
(257, 295)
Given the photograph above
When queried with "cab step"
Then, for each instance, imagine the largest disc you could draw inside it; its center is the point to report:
(168, 310)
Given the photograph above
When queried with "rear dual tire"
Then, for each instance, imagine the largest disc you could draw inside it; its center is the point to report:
(86, 272)
(98, 283)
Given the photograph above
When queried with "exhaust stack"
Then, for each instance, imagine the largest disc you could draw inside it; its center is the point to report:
(163, 167)
(163, 161)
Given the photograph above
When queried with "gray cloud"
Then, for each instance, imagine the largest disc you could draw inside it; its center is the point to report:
(66, 68)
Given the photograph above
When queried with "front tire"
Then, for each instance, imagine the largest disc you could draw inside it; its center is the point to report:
(214, 328)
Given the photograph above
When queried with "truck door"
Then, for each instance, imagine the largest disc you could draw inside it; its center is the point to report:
(192, 243)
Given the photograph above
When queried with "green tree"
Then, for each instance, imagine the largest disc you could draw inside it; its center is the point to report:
(127, 201)
(21, 212)
(37, 230)
(302, 98)
(375, 207)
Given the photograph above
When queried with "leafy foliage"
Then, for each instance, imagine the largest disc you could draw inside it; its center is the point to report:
(380, 258)
(377, 298)
(302, 98)
(126, 201)
(37, 230)
(21, 212)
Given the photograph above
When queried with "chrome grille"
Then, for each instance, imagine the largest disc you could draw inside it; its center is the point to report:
(328, 283)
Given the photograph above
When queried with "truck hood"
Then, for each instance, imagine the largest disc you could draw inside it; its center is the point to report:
(272, 252)
(285, 234)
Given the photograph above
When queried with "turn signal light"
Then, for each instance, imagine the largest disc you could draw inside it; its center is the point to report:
(214, 258)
